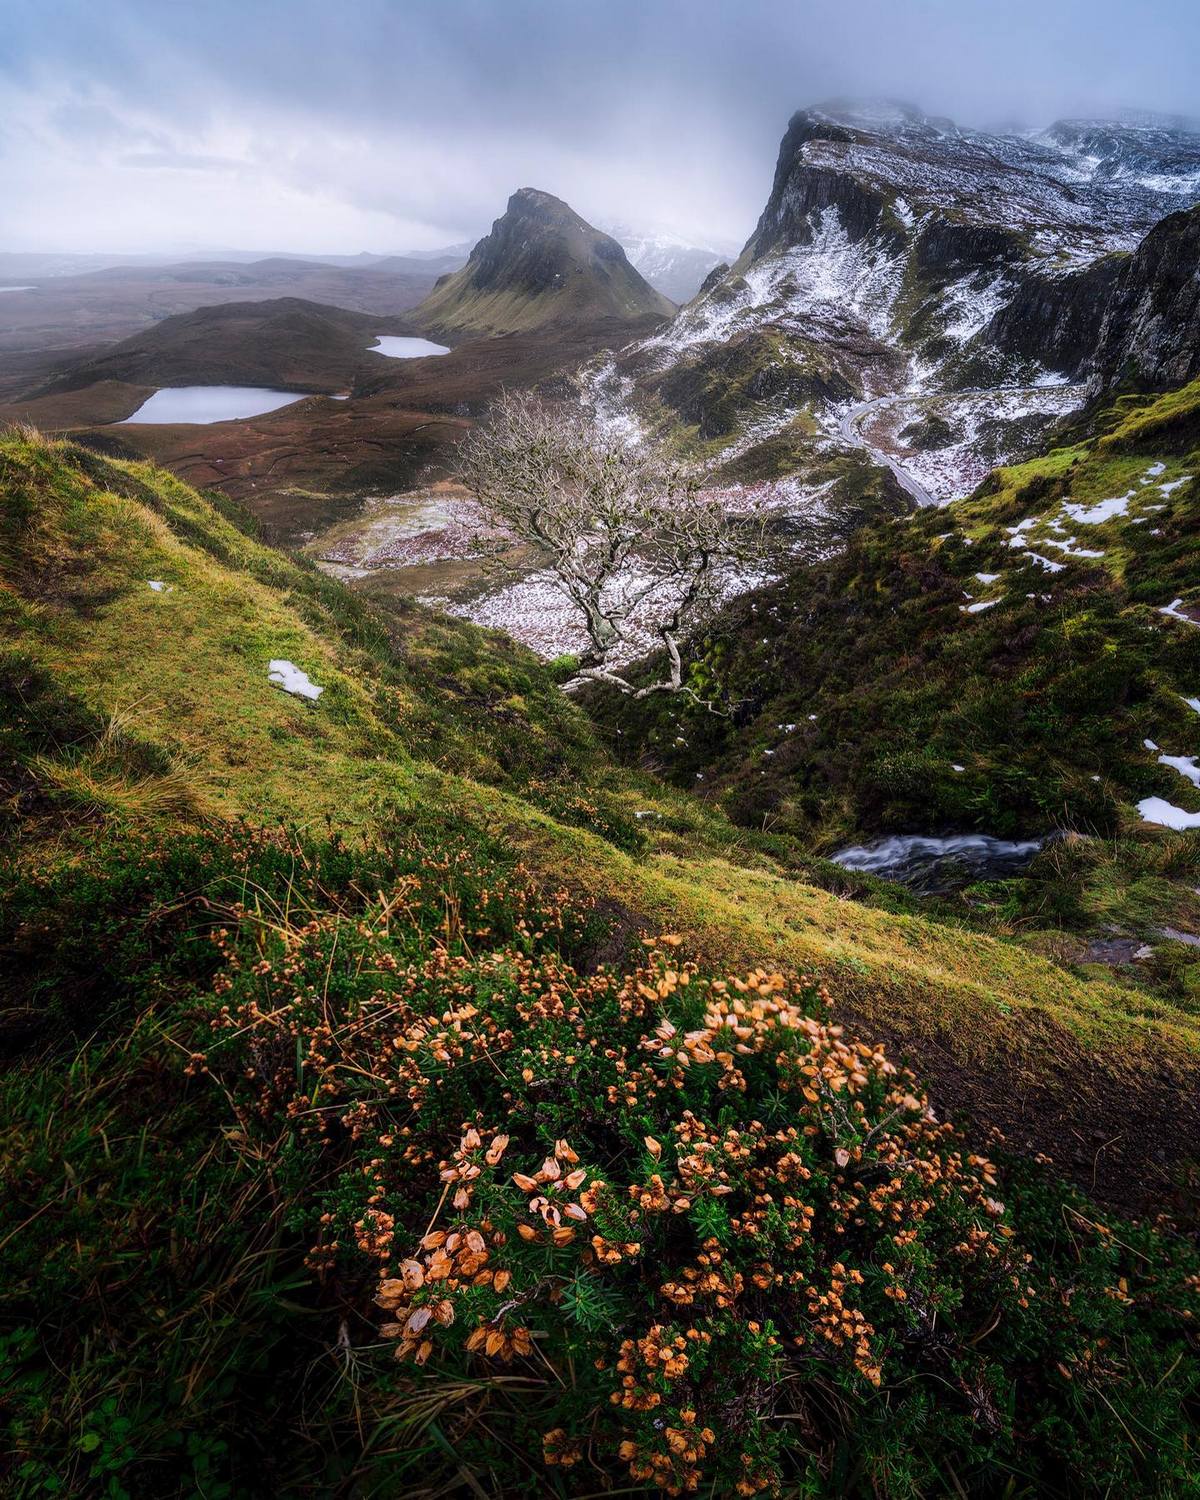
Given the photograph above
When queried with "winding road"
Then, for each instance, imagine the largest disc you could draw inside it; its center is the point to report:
(850, 431)
(850, 428)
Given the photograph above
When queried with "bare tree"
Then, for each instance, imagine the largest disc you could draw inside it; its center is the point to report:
(629, 536)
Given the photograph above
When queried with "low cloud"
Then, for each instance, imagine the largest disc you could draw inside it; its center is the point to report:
(394, 126)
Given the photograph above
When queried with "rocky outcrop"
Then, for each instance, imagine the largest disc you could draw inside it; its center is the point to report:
(540, 264)
(1150, 337)
(1054, 321)
(711, 391)
(802, 190)
(985, 256)
(944, 247)
(714, 277)
(896, 247)
(1127, 322)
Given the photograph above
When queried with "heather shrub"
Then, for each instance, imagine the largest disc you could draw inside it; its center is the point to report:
(676, 1231)
(363, 1180)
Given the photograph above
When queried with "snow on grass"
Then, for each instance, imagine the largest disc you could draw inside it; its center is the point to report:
(987, 577)
(759, 429)
(968, 306)
(1193, 703)
(1050, 567)
(978, 607)
(1101, 511)
(989, 428)
(158, 586)
(291, 679)
(1183, 184)
(1070, 548)
(607, 395)
(535, 611)
(1175, 612)
(1166, 815)
(1184, 764)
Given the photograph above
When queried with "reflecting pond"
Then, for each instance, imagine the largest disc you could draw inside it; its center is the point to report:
(210, 403)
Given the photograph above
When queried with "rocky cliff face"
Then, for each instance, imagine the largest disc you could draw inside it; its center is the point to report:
(540, 264)
(1055, 320)
(926, 232)
(1128, 321)
(897, 252)
(1150, 337)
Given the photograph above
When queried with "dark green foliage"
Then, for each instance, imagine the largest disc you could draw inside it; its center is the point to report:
(1034, 697)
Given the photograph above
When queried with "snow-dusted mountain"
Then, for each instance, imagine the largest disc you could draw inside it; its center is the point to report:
(899, 255)
(921, 231)
(673, 266)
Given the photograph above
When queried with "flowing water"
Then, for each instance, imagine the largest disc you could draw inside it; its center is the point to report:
(933, 865)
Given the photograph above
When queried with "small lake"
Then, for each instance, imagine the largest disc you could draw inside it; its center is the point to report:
(937, 865)
(17, 289)
(398, 348)
(210, 403)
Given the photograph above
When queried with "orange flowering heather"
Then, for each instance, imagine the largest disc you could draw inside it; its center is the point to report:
(689, 1217)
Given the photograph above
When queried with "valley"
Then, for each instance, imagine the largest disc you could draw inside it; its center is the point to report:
(777, 814)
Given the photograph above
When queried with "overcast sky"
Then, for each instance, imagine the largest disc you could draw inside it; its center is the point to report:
(388, 125)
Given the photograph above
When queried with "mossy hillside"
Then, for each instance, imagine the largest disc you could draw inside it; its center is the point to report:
(170, 1264)
(1170, 422)
(1044, 698)
(712, 389)
(744, 410)
(186, 667)
(1057, 680)
(145, 711)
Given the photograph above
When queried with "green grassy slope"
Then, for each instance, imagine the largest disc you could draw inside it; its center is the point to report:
(143, 709)
(999, 666)
(229, 919)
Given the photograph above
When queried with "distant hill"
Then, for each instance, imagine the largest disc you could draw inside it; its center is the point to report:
(675, 267)
(64, 319)
(540, 264)
(437, 263)
(286, 342)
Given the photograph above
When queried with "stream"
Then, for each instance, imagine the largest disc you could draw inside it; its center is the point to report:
(937, 865)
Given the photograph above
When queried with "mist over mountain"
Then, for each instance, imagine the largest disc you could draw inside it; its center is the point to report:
(146, 128)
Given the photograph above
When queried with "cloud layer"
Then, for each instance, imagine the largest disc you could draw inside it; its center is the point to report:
(397, 124)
